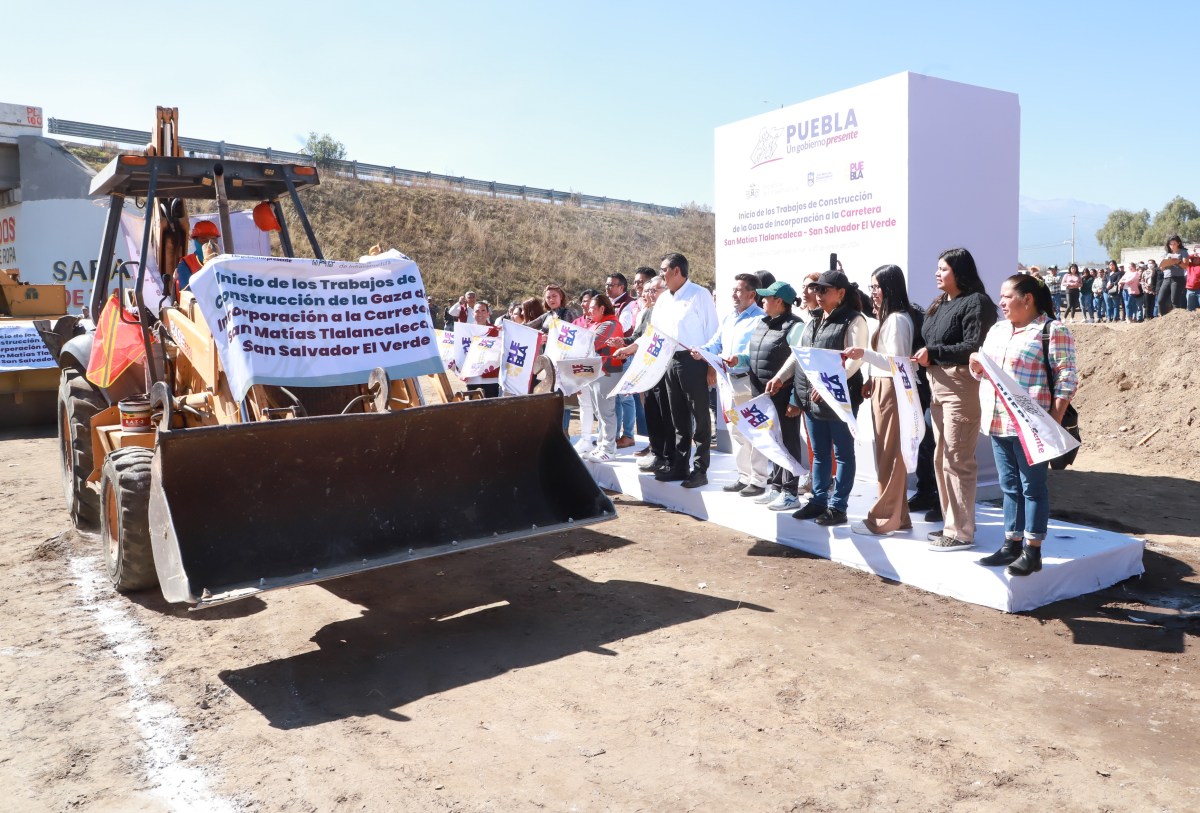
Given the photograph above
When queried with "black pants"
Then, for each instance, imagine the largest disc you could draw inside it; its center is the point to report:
(789, 430)
(658, 421)
(926, 479)
(687, 394)
(1171, 295)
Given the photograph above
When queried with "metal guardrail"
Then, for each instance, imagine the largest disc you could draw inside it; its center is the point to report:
(361, 171)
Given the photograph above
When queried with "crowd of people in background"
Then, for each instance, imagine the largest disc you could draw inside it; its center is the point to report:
(1025, 335)
(1133, 292)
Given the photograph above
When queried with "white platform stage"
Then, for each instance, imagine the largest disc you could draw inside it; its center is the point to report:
(1076, 559)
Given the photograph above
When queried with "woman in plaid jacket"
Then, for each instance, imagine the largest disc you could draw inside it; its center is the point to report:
(1015, 345)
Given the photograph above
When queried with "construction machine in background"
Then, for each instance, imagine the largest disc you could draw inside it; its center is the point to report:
(28, 377)
(289, 485)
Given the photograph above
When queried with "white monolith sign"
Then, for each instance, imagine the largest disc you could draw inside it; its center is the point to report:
(893, 171)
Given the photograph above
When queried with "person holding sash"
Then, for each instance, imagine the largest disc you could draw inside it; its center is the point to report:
(893, 337)
(1016, 344)
(766, 354)
(837, 325)
(954, 327)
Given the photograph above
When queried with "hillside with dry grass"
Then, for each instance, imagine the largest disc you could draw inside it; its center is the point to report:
(503, 249)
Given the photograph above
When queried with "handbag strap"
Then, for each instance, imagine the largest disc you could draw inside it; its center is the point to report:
(1046, 356)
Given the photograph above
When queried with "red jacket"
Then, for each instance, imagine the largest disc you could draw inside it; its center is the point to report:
(608, 328)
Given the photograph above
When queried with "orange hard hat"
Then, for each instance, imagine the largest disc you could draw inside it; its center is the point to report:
(205, 230)
(264, 217)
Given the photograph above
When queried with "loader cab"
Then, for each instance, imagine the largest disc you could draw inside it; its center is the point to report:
(166, 184)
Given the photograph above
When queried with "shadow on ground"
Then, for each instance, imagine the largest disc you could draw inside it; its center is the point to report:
(1155, 612)
(1129, 503)
(434, 625)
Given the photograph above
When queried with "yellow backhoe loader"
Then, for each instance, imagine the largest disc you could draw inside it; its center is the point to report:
(230, 496)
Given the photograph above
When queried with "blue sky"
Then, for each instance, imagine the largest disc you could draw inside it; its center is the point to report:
(621, 98)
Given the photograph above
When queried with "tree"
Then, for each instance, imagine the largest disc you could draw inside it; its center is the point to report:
(1179, 217)
(324, 148)
(1123, 229)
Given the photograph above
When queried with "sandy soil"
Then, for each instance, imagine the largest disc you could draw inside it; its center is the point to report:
(652, 663)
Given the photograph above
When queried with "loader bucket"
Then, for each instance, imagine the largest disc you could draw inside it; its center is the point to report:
(237, 510)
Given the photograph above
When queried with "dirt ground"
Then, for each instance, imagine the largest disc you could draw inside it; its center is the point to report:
(652, 663)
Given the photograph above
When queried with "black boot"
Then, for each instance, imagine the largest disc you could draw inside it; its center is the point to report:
(1008, 554)
(1030, 562)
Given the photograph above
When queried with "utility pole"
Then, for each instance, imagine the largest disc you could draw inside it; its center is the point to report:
(1072, 239)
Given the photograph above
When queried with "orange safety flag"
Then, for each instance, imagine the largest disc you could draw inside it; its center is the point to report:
(116, 345)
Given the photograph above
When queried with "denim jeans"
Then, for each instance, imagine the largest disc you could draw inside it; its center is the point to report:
(1089, 309)
(1193, 300)
(1110, 305)
(625, 415)
(639, 412)
(831, 440)
(1026, 496)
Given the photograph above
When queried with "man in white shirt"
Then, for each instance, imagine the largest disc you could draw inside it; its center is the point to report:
(686, 313)
(464, 309)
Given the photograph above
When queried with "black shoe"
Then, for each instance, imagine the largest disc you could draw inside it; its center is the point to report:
(669, 475)
(922, 502)
(934, 515)
(811, 510)
(832, 517)
(753, 491)
(661, 466)
(695, 479)
(735, 486)
(1009, 553)
(1030, 562)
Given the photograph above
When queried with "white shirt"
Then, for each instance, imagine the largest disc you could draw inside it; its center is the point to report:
(689, 315)
(895, 339)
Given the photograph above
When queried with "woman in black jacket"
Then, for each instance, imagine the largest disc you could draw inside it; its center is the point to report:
(954, 328)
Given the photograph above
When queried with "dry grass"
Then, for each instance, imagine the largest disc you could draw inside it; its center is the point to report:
(503, 249)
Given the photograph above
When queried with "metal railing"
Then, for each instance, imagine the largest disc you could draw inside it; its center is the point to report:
(364, 172)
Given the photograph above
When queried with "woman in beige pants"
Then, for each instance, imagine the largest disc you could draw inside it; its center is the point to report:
(893, 337)
(955, 325)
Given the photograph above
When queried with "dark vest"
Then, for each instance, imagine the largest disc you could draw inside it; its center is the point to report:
(769, 348)
(828, 333)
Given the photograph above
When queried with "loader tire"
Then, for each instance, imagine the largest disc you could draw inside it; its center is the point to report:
(124, 519)
(78, 403)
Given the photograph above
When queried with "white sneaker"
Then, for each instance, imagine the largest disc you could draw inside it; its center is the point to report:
(785, 502)
(600, 456)
(861, 529)
(648, 462)
(769, 496)
(805, 484)
(583, 445)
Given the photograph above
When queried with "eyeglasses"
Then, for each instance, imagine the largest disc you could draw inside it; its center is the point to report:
(875, 288)
(611, 284)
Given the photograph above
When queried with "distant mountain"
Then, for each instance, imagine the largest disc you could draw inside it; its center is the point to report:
(1045, 231)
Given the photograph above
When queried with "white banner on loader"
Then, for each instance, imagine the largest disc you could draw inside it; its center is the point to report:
(828, 377)
(520, 351)
(1041, 436)
(758, 422)
(647, 365)
(315, 323)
